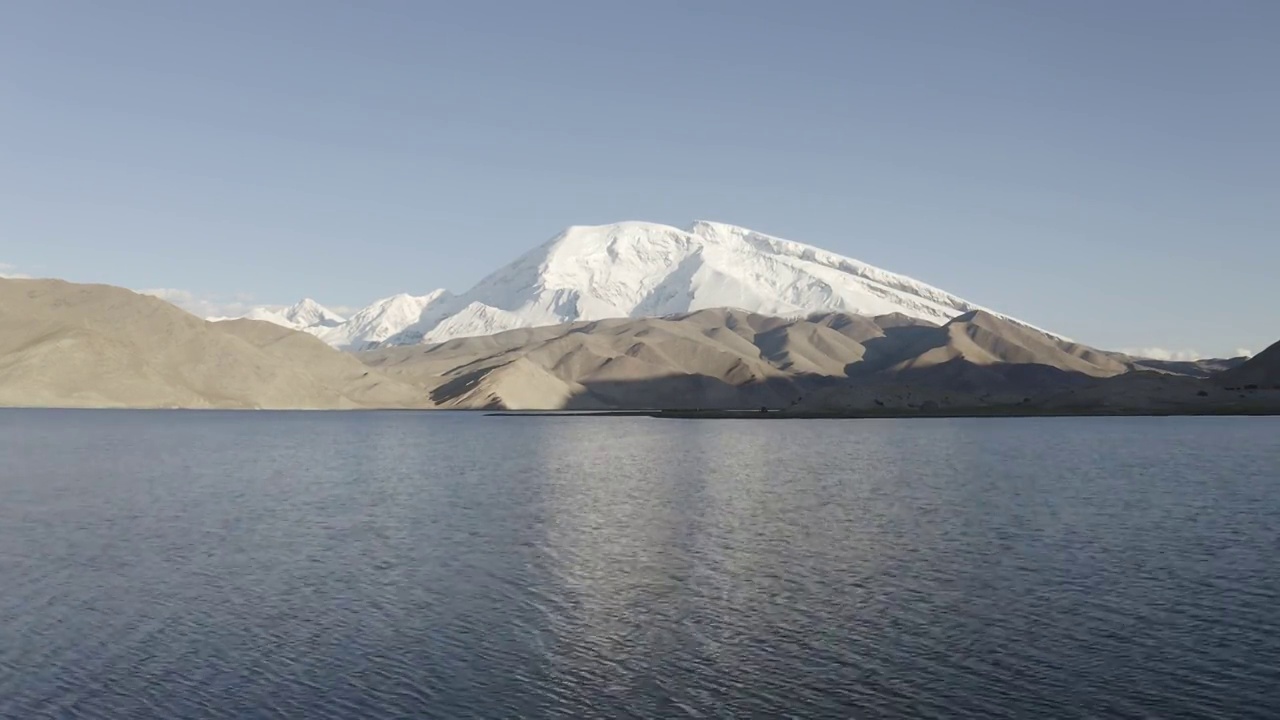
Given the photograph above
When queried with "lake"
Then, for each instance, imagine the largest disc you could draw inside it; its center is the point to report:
(452, 565)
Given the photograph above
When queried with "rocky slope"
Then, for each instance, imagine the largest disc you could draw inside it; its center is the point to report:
(69, 345)
(1262, 370)
(92, 345)
(732, 358)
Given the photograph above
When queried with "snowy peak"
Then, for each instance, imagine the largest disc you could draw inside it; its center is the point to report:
(305, 315)
(309, 313)
(592, 273)
(821, 263)
(641, 269)
(274, 317)
(474, 319)
(381, 320)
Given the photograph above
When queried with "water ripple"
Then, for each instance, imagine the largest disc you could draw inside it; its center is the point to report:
(222, 565)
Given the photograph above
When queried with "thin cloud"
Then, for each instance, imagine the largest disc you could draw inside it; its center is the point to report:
(221, 306)
(205, 306)
(1155, 353)
(11, 272)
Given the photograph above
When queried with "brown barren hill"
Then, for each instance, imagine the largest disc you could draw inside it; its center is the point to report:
(1262, 370)
(63, 344)
(71, 345)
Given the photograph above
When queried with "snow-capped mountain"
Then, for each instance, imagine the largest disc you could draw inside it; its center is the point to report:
(382, 320)
(307, 315)
(640, 269)
(310, 314)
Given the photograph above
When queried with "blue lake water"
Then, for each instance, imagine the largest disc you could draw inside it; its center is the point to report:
(313, 565)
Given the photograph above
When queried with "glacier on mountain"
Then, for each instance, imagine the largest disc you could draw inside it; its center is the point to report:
(307, 315)
(641, 269)
(383, 320)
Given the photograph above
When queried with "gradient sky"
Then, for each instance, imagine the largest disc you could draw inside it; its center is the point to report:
(1109, 170)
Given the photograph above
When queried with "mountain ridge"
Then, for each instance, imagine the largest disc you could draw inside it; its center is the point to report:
(67, 345)
(1262, 369)
(638, 269)
(733, 358)
(71, 345)
(306, 314)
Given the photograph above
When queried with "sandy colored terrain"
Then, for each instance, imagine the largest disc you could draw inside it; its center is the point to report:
(729, 358)
(69, 345)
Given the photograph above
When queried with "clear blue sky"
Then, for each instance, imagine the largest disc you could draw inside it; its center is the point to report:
(1109, 169)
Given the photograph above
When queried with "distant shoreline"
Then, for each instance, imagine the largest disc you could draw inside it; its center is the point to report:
(1012, 412)
(690, 414)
